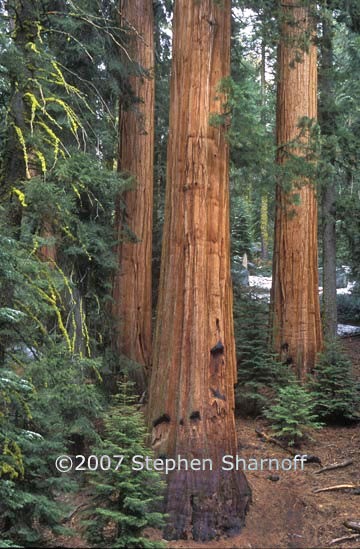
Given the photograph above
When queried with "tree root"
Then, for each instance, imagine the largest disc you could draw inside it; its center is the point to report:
(268, 438)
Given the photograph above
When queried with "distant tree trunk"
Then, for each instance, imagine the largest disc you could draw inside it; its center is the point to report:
(295, 301)
(132, 282)
(326, 117)
(191, 400)
(264, 207)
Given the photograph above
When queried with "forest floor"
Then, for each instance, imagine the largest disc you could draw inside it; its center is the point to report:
(287, 513)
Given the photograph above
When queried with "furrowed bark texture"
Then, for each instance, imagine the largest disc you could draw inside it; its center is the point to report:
(191, 400)
(132, 283)
(295, 301)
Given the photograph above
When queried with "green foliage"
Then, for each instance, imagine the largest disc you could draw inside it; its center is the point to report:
(72, 294)
(162, 37)
(14, 393)
(52, 315)
(71, 385)
(292, 416)
(26, 475)
(336, 393)
(242, 234)
(30, 293)
(259, 373)
(340, 124)
(348, 308)
(127, 501)
(349, 230)
(47, 410)
(250, 108)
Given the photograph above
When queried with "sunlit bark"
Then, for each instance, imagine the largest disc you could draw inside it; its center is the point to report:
(191, 401)
(295, 300)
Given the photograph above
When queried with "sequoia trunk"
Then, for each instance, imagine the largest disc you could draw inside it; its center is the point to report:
(132, 283)
(295, 300)
(191, 401)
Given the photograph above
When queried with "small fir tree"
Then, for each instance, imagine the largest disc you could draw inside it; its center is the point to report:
(336, 393)
(292, 415)
(259, 373)
(127, 501)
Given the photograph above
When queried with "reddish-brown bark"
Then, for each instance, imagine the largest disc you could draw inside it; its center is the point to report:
(191, 400)
(47, 252)
(132, 283)
(295, 299)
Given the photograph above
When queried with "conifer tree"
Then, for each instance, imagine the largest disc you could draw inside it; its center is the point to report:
(127, 500)
(132, 293)
(296, 322)
(191, 400)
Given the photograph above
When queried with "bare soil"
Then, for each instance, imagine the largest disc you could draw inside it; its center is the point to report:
(287, 513)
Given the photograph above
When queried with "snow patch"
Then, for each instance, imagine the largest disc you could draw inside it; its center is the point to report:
(263, 285)
(31, 435)
(347, 329)
(347, 290)
(263, 282)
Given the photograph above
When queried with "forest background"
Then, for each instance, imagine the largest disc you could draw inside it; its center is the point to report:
(68, 80)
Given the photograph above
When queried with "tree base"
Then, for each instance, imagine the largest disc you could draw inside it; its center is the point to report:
(203, 505)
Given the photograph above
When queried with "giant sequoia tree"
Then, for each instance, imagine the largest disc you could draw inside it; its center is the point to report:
(295, 300)
(132, 284)
(191, 401)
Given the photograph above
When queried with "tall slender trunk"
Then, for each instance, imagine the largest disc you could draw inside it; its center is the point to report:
(264, 207)
(191, 401)
(132, 283)
(295, 300)
(327, 124)
(264, 214)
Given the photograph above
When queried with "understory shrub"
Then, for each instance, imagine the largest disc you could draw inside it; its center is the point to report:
(125, 501)
(348, 308)
(293, 416)
(42, 411)
(259, 372)
(336, 393)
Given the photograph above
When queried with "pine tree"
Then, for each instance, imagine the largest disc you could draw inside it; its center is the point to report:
(293, 415)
